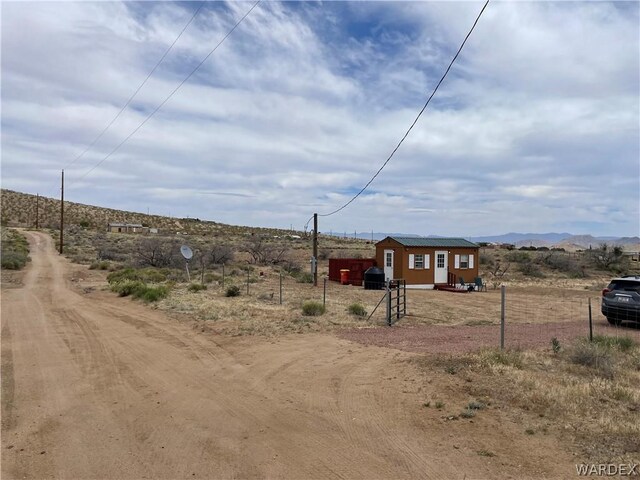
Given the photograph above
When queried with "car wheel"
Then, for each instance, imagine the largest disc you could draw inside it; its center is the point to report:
(613, 321)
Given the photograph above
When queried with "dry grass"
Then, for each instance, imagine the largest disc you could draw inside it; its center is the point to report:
(557, 393)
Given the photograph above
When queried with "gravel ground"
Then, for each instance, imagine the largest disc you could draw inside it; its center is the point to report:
(462, 339)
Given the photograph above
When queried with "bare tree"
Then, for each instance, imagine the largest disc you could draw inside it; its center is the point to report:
(263, 253)
(498, 272)
(606, 256)
(154, 252)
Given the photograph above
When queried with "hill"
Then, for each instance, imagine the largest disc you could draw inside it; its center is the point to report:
(19, 209)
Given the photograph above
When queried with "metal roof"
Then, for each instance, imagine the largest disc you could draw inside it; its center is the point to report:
(434, 242)
(138, 225)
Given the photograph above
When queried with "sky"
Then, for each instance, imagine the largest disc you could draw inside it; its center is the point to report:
(535, 129)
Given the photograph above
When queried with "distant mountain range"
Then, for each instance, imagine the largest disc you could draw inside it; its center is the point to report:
(520, 239)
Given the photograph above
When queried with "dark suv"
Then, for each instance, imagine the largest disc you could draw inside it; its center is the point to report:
(621, 300)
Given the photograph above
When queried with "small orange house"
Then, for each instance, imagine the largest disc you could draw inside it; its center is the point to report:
(426, 262)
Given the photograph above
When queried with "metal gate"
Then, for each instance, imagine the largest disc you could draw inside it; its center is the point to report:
(396, 300)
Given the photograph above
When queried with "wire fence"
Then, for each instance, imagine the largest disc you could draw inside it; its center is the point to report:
(522, 317)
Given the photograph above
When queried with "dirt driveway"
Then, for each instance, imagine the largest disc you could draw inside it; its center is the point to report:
(95, 386)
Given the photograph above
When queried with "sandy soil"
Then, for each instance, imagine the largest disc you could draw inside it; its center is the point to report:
(95, 386)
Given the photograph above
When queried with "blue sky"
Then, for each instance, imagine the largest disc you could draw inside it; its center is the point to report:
(536, 129)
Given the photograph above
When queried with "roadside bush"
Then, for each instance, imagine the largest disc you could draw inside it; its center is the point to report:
(15, 250)
(196, 287)
(121, 275)
(151, 294)
(14, 260)
(357, 309)
(507, 358)
(99, 266)
(232, 291)
(127, 287)
(311, 308)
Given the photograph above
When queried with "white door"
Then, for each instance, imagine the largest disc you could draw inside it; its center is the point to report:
(441, 269)
(388, 264)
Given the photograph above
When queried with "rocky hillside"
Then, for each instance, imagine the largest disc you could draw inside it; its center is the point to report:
(19, 209)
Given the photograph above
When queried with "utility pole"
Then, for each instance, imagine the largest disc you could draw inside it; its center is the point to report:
(37, 210)
(315, 249)
(62, 215)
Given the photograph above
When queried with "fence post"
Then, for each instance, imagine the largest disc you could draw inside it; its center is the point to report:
(404, 290)
(248, 273)
(223, 275)
(590, 323)
(280, 288)
(503, 304)
(388, 302)
(324, 291)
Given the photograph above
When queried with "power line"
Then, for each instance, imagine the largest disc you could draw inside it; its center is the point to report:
(170, 95)
(95, 140)
(414, 122)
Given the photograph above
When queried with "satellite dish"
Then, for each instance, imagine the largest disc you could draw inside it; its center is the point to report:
(186, 252)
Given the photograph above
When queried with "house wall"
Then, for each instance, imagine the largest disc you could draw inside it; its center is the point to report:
(426, 276)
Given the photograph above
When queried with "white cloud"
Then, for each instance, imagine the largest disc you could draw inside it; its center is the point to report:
(535, 129)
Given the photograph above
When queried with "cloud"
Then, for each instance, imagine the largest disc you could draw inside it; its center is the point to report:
(536, 128)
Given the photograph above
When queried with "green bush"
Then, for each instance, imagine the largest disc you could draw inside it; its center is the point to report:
(304, 277)
(13, 260)
(127, 287)
(151, 294)
(530, 269)
(594, 355)
(121, 275)
(624, 344)
(357, 309)
(311, 308)
(196, 287)
(232, 291)
(518, 257)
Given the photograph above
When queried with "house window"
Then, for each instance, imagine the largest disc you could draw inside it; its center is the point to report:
(389, 259)
(419, 261)
(464, 261)
(440, 260)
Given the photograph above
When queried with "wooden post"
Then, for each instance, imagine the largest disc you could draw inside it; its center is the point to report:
(503, 304)
(315, 249)
(248, 273)
(223, 275)
(37, 211)
(280, 288)
(62, 215)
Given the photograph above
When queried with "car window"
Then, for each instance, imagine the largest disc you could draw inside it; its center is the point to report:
(625, 285)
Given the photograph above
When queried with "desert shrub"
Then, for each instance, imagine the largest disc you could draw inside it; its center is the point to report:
(85, 223)
(518, 257)
(357, 309)
(530, 269)
(151, 294)
(507, 358)
(99, 266)
(127, 287)
(13, 260)
(486, 259)
(212, 277)
(304, 277)
(124, 274)
(594, 355)
(311, 308)
(196, 287)
(15, 250)
(232, 291)
(624, 344)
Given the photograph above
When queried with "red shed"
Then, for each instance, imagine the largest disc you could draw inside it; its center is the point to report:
(356, 267)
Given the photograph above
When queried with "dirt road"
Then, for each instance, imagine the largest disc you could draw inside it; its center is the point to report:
(95, 386)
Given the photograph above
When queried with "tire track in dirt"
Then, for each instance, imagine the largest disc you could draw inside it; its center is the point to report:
(111, 389)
